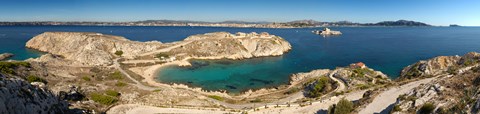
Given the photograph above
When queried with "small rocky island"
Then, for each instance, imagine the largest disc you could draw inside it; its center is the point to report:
(327, 32)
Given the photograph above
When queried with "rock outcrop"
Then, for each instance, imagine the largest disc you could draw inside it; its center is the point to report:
(5, 56)
(233, 46)
(457, 94)
(20, 97)
(89, 48)
(441, 65)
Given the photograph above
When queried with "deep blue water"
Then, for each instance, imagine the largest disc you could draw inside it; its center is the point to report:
(387, 49)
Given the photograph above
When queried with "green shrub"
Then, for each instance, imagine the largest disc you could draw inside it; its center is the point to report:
(427, 108)
(116, 75)
(7, 67)
(86, 78)
(319, 87)
(119, 53)
(112, 93)
(103, 99)
(32, 78)
(452, 70)
(120, 84)
(216, 97)
(157, 90)
(343, 107)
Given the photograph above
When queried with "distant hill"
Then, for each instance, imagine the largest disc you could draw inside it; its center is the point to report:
(261, 24)
(399, 23)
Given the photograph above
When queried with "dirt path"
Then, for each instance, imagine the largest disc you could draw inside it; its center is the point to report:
(137, 83)
(341, 85)
(386, 98)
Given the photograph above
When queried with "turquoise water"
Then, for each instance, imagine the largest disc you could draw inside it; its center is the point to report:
(387, 49)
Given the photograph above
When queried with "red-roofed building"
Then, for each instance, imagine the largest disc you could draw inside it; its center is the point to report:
(357, 65)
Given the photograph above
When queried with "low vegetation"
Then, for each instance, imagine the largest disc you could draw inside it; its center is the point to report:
(112, 93)
(427, 108)
(119, 53)
(32, 78)
(361, 72)
(116, 75)
(162, 55)
(293, 90)
(256, 100)
(86, 78)
(103, 99)
(216, 97)
(8, 67)
(342, 107)
(319, 87)
(120, 84)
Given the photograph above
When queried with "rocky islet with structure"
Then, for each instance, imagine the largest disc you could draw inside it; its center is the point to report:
(327, 32)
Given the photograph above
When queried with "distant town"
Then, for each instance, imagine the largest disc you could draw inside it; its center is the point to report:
(292, 24)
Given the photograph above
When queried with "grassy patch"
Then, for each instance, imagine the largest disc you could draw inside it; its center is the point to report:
(157, 90)
(103, 99)
(32, 78)
(364, 86)
(116, 75)
(120, 84)
(216, 97)
(112, 93)
(86, 78)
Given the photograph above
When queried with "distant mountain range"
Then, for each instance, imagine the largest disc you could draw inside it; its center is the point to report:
(263, 24)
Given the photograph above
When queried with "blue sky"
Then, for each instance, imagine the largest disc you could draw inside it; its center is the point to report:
(436, 12)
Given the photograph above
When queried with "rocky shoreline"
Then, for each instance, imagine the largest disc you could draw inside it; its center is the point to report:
(4, 56)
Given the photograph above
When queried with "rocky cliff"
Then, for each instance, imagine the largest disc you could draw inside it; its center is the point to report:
(89, 48)
(20, 97)
(440, 65)
(233, 46)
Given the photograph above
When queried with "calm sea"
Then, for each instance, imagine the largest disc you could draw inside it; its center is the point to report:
(387, 49)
